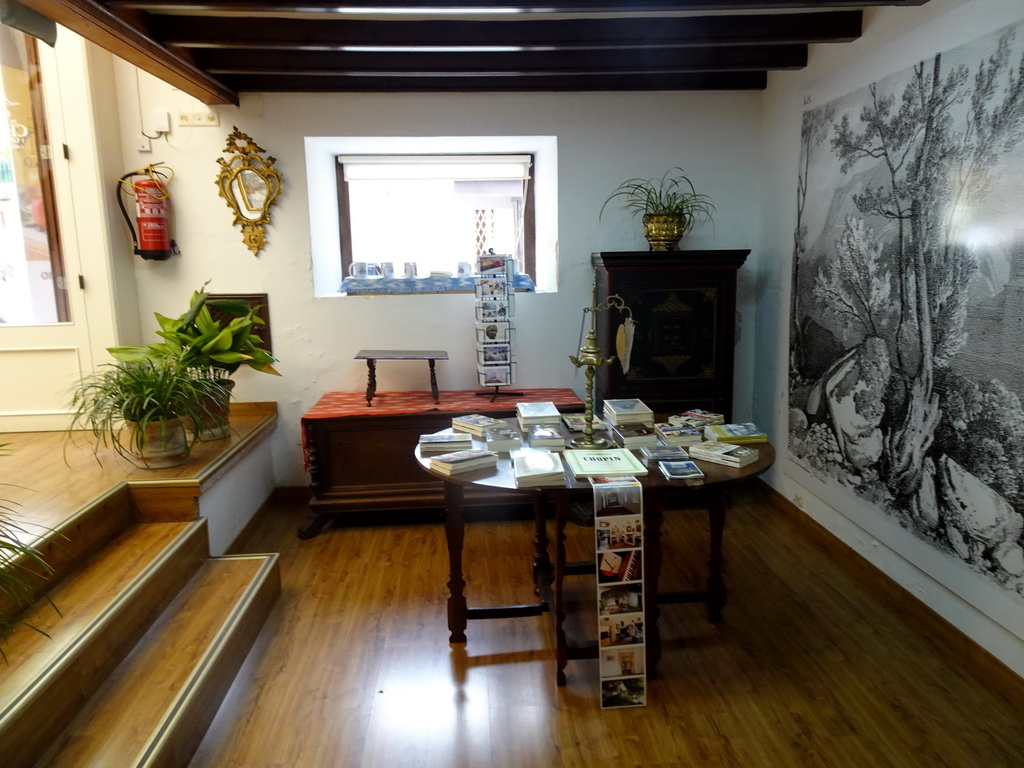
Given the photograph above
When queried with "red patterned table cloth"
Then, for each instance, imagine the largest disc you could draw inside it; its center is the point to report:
(334, 405)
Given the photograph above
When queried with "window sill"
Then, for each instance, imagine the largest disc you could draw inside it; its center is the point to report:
(354, 286)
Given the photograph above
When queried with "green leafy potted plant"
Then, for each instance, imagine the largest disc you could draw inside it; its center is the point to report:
(670, 207)
(146, 410)
(210, 348)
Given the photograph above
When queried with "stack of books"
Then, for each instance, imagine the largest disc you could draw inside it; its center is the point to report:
(531, 414)
(577, 421)
(476, 423)
(634, 435)
(696, 417)
(678, 434)
(735, 433)
(627, 411)
(445, 442)
(655, 453)
(463, 461)
(534, 468)
(730, 454)
(612, 462)
(686, 471)
(546, 436)
(503, 439)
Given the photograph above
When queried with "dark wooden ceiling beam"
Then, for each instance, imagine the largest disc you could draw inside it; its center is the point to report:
(728, 81)
(106, 30)
(213, 32)
(213, 49)
(732, 58)
(433, 7)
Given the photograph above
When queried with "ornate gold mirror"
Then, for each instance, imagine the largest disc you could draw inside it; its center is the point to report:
(250, 184)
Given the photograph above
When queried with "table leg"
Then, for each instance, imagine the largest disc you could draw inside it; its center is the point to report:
(541, 559)
(371, 380)
(455, 534)
(654, 514)
(561, 646)
(314, 524)
(433, 382)
(717, 596)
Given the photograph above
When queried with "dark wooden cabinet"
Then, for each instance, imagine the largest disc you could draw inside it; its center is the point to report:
(684, 306)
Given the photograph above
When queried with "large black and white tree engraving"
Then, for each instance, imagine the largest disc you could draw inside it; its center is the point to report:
(900, 187)
(933, 165)
(814, 131)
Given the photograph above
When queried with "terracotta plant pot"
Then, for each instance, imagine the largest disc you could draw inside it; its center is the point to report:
(160, 451)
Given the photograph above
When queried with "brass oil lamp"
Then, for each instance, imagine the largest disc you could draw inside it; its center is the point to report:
(591, 357)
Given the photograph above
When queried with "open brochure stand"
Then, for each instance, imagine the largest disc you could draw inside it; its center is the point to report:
(618, 537)
(495, 327)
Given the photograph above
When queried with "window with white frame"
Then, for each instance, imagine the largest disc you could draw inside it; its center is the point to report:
(436, 201)
(457, 206)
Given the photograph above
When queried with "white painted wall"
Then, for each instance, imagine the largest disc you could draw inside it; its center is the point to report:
(602, 140)
(230, 503)
(893, 39)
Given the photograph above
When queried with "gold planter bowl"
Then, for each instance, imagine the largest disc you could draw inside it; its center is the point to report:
(663, 231)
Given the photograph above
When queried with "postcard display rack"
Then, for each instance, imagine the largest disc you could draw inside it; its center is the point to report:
(495, 327)
(618, 538)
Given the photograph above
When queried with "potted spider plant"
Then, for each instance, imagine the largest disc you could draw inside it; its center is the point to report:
(146, 410)
(21, 566)
(670, 207)
(212, 339)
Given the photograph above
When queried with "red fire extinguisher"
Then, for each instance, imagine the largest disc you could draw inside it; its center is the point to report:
(152, 211)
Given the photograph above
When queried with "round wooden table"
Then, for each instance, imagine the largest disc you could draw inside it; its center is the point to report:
(659, 493)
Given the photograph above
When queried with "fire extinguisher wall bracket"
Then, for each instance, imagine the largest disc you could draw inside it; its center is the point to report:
(152, 213)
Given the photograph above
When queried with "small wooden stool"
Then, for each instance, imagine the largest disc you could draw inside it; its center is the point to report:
(371, 356)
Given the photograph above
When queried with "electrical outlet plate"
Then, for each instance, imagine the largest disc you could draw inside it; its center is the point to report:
(198, 119)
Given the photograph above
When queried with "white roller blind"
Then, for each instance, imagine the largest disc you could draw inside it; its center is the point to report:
(458, 167)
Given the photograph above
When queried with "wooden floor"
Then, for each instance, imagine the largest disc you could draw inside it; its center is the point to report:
(813, 666)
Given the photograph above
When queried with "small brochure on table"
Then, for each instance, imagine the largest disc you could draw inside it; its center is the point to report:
(686, 471)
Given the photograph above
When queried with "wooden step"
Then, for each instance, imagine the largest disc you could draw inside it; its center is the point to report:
(94, 618)
(65, 545)
(156, 706)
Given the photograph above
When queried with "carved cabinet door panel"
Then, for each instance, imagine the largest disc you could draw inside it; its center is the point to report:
(684, 306)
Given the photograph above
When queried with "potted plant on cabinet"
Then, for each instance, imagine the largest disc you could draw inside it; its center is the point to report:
(670, 207)
(147, 410)
(210, 348)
